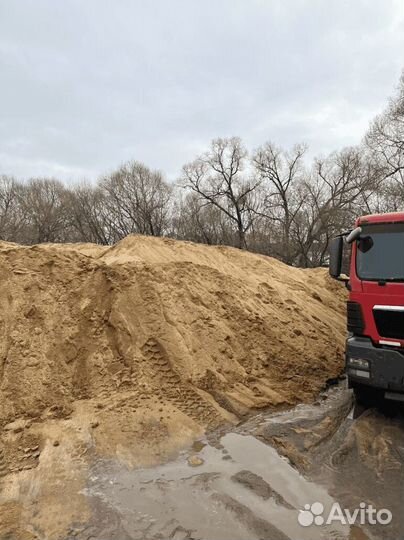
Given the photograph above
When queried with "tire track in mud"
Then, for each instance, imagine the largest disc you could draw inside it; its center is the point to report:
(3, 464)
(157, 367)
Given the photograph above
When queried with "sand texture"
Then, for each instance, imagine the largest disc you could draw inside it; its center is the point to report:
(141, 346)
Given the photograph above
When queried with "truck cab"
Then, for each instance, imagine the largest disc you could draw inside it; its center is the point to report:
(375, 309)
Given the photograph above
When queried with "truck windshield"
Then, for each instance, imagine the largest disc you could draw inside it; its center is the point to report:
(380, 252)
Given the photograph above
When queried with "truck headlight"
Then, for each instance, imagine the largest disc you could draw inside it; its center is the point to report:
(358, 362)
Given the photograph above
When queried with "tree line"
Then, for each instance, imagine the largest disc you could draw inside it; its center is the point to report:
(269, 200)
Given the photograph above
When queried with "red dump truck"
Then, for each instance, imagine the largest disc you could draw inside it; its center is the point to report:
(373, 252)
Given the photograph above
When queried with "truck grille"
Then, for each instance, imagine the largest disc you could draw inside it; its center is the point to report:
(389, 323)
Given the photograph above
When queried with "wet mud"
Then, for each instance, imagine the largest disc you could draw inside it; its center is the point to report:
(252, 482)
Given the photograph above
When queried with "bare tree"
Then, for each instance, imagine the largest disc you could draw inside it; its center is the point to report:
(10, 215)
(197, 221)
(333, 195)
(217, 178)
(385, 138)
(138, 200)
(44, 210)
(88, 215)
(281, 173)
(384, 144)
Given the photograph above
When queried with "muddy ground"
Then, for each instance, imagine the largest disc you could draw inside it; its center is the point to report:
(244, 482)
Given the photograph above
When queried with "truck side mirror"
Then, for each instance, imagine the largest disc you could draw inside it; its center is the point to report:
(335, 249)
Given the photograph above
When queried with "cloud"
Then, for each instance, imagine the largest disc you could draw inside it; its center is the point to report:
(88, 85)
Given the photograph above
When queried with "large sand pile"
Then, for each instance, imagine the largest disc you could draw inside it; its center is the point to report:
(129, 352)
(145, 344)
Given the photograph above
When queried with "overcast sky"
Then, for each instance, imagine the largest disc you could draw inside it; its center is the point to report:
(88, 84)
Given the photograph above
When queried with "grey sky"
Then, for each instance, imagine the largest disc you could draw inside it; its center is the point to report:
(88, 84)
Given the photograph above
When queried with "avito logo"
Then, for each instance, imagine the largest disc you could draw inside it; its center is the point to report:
(365, 514)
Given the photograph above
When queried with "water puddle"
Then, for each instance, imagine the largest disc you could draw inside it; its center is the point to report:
(241, 490)
(236, 485)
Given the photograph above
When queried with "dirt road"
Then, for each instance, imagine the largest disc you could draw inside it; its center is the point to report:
(251, 482)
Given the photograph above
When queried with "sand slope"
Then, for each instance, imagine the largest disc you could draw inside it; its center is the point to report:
(132, 351)
(155, 340)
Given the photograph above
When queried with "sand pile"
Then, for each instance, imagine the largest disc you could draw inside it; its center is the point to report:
(145, 344)
(132, 351)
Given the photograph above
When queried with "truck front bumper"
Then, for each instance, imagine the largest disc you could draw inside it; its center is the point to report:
(373, 366)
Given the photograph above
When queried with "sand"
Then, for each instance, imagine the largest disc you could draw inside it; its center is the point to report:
(132, 351)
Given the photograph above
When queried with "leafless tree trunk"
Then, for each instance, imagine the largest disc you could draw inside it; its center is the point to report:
(196, 220)
(216, 177)
(10, 215)
(43, 207)
(138, 200)
(333, 196)
(88, 215)
(384, 144)
(281, 173)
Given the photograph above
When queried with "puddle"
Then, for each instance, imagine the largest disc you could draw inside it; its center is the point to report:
(237, 485)
(244, 490)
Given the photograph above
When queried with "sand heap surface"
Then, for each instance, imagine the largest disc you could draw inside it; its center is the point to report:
(128, 353)
(143, 345)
